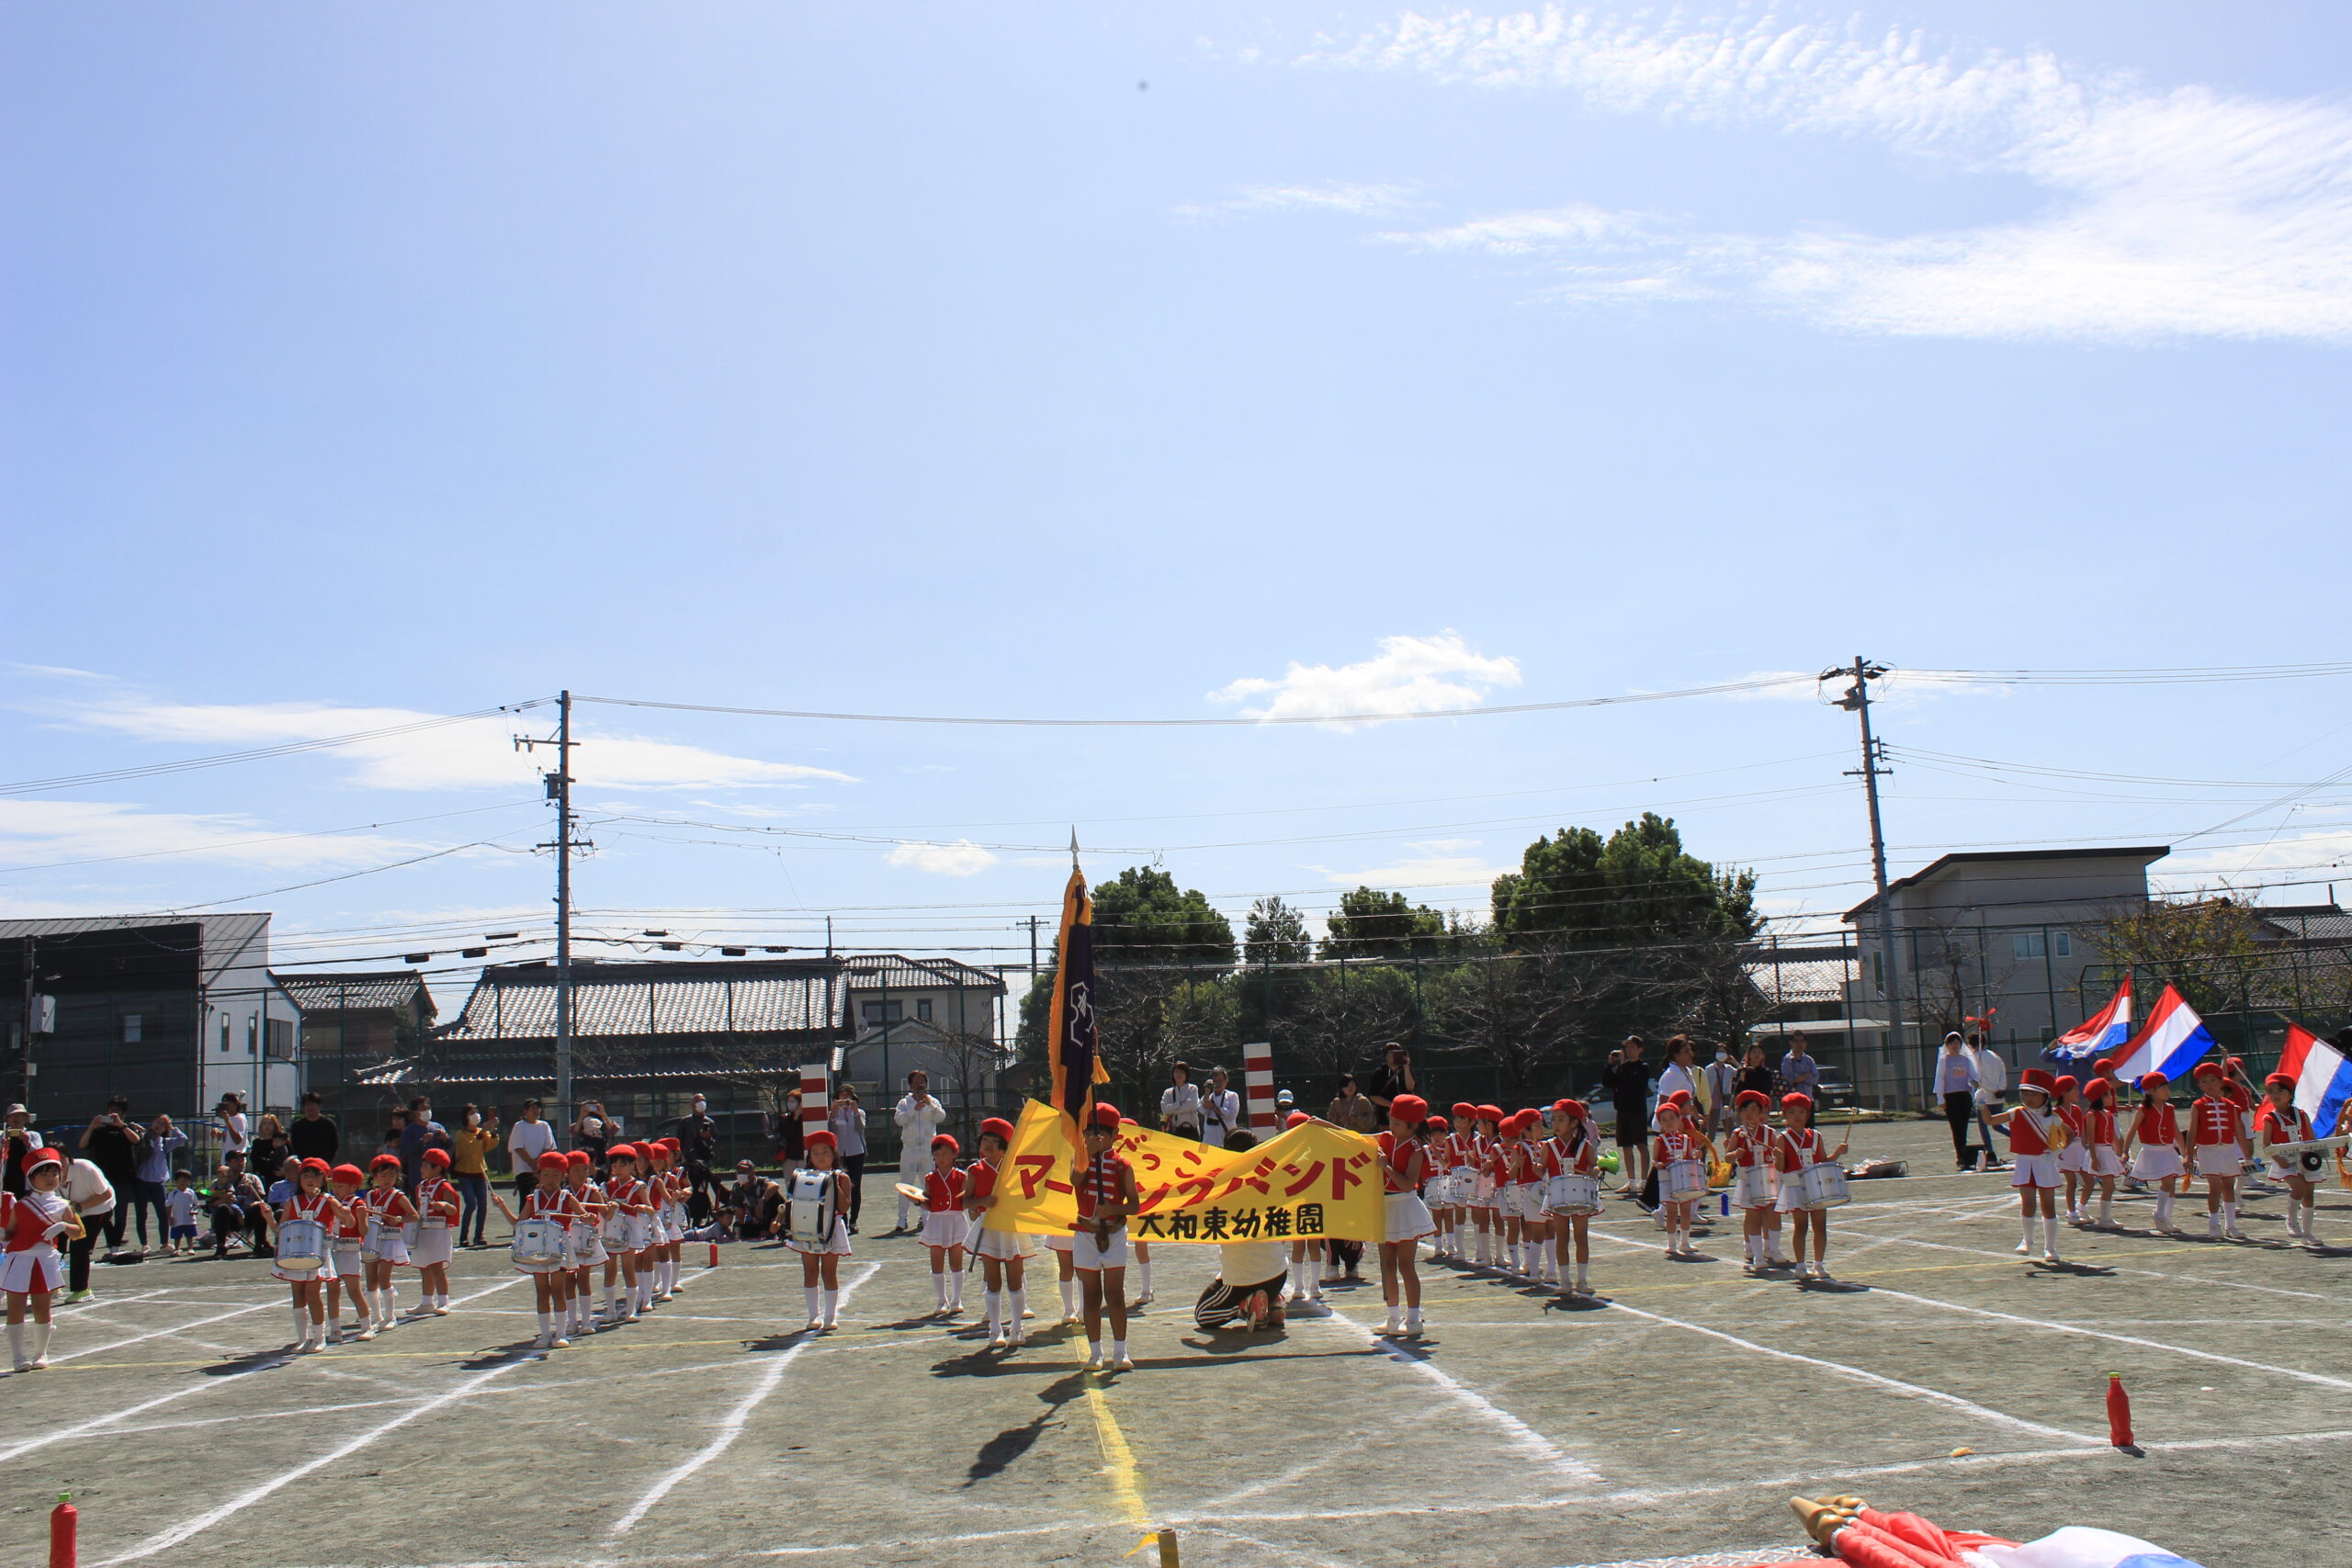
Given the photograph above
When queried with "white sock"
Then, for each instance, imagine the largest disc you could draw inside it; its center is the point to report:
(1143, 1275)
(2029, 1230)
(815, 1298)
(1290, 1281)
(335, 1323)
(41, 1331)
(2230, 1216)
(956, 1289)
(1016, 1303)
(2212, 1222)
(2106, 1208)
(832, 1304)
(939, 1286)
(546, 1326)
(2049, 1233)
(2163, 1210)
(301, 1327)
(1070, 1297)
(17, 1355)
(992, 1301)
(1118, 1349)
(1094, 1349)
(1481, 1248)
(902, 1211)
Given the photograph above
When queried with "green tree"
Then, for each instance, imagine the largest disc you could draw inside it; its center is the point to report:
(1274, 933)
(1152, 939)
(1637, 887)
(1373, 924)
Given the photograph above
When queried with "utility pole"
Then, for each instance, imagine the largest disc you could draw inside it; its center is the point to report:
(558, 787)
(32, 972)
(1856, 701)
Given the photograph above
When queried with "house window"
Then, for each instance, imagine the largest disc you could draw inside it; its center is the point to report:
(252, 1037)
(2062, 945)
(2028, 944)
(923, 1010)
(281, 1039)
(133, 1028)
(1878, 973)
(882, 1012)
(224, 1037)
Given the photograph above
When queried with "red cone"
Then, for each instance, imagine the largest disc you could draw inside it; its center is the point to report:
(2119, 1413)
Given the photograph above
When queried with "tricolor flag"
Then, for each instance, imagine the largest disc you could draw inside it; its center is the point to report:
(2101, 1032)
(2175, 1040)
(2322, 1078)
(1069, 1025)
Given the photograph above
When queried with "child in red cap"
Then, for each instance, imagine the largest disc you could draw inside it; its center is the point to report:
(385, 1246)
(349, 1236)
(629, 1231)
(1405, 1219)
(1000, 1253)
(583, 1239)
(1801, 1144)
(944, 1225)
(2218, 1123)
(820, 1258)
(1306, 1257)
(1676, 1149)
(2036, 1133)
(551, 1286)
(310, 1205)
(1752, 1147)
(436, 1232)
(29, 1273)
(2075, 1159)
(2098, 1142)
(1106, 1196)
(2281, 1121)
(1576, 1151)
(2155, 1129)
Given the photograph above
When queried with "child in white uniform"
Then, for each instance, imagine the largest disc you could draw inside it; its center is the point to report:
(821, 1261)
(30, 1270)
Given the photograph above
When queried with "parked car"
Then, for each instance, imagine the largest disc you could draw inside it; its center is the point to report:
(1834, 1092)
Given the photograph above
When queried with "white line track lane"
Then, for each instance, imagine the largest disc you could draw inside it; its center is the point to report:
(2021, 1260)
(1526, 1440)
(732, 1427)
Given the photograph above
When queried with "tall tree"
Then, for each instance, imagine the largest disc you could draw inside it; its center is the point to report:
(1373, 924)
(1152, 939)
(1637, 887)
(1274, 933)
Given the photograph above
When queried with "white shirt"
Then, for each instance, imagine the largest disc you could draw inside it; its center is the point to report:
(1721, 1075)
(1991, 1074)
(1220, 1113)
(526, 1141)
(234, 1140)
(1675, 1076)
(1955, 1074)
(87, 1189)
(920, 1116)
(848, 1122)
(1179, 1106)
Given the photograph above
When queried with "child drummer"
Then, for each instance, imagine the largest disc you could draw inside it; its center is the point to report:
(1752, 1147)
(1799, 1147)
(821, 1259)
(1578, 1149)
(2280, 1120)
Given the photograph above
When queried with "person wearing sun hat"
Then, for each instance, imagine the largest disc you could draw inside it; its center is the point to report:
(2036, 1135)
(2217, 1128)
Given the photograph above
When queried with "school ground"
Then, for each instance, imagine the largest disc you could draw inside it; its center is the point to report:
(1670, 1421)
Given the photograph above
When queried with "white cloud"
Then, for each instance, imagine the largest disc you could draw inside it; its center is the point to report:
(1356, 200)
(2168, 212)
(2305, 851)
(45, 832)
(962, 858)
(1409, 675)
(478, 754)
(1435, 863)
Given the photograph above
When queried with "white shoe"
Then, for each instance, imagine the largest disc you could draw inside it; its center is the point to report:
(1123, 1364)
(368, 1333)
(2234, 1233)
(1821, 1274)
(1017, 1338)
(440, 1311)
(545, 1342)
(2051, 1257)
(1143, 1299)
(815, 1326)
(832, 1324)
(1094, 1362)
(23, 1366)
(1774, 1260)
(1072, 1318)
(561, 1343)
(1028, 1312)
(2025, 1249)
(996, 1341)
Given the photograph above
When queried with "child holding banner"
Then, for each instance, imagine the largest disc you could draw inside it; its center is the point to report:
(1098, 1246)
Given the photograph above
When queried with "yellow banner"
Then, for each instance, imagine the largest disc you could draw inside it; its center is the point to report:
(1312, 1182)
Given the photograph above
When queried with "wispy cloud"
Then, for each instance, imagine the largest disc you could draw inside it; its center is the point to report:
(963, 857)
(51, 832)
(1409, 675)
(2168, 212)
(1357, 200)
(476, 755)
(1434, 863)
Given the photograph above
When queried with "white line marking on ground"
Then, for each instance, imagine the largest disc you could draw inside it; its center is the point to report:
(163, 1333)
(2021, 1260)
(2042, 1322)
(1523, 1437)
(729, 1430)
(1909, 1390)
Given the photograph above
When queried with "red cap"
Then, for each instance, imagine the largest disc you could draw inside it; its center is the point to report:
(670, 1144)
(2065, 1081)
(1297, 1119)
(1490, 1113)
(2104, 1064)
(620, 1151)
(552, 1161)
(348, 1174)
(1681, 1097)
(385, 1162)
(1105, 1115)
(2154, 1080)
(2214, 1067)
(2097, 1090)
(1409, 1109)
(2279, 1080)
(1752, 1096)
(1795, 1097)
(997, 1127)
(39, 1158)
(2037, 1079)
(945, 1142)
(1574, 1107)
(1437, 1124)
(1465, 1112)
(436, 1156)
(324, 1168)
(1670, 1106)
(2234, 1063)
(577, 1159)
(820, 1139)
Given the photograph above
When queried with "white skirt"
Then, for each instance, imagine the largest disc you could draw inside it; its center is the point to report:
(434, 1244)
(2035, 1170)
(33, 1269)
(999, 1245)
(1058, 1242)
(1085, 1253)
(2104, 1161)
(836, 1245)
(584, 1246)
(1404, 1217)
(348, 1264)
(2075, 1156)
(945, 1227)
(2154, 1161)
(2219, 1159)
(1482, 1192)
(386, 1246)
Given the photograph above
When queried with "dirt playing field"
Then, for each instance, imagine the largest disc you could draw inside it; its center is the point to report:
(1671, 1419)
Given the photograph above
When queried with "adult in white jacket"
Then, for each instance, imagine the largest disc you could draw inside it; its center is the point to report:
(918, 1116)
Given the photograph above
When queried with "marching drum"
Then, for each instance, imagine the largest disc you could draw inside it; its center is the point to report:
(1822, 1185)
(1680, 1181)
(301, 1246)
(808, 1208)
(538, 1244)
(1753, 1189)
(1573, 1194)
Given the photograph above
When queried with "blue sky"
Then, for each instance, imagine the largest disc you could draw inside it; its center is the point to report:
(1152, 361)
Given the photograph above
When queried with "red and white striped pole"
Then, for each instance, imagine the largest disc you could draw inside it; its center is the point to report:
(1258, 1088)
(814, 1093)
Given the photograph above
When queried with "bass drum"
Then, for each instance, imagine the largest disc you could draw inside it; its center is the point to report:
(809, 1208)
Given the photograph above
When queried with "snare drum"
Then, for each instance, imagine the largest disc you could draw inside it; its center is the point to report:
(1573, 1194)
(1680, 1181)
(1752, 1188)
(538, 1244)
(1822, 1185)
(302, 1247)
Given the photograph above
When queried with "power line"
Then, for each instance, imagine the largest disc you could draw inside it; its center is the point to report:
(270, 839)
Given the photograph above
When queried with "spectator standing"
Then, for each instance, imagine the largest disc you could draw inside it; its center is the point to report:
(1220, 1111)
(469, 1148)
(1394, 1077)
(268, 1150)
(149, 1178)
(230, 1113)
(1351, 1110)
(1755, 1072)
(593, 1131)
(792, 1133)
(1800, 1074)
(1722, 1082)
(87, 1188)
(1956, 1091)
(21, 1141)
(111, 1142)
(420, 1132)
(918, 1116)
(313, 1134)
(846, 1122)
(1680, 1073)
(1991, 1086)
(526, 1140)
(1179, 1103)
(1628, 1082)
(698, 1141)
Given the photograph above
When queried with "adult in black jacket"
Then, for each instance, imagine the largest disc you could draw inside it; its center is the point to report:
(313, 1134)
(1628, 1081)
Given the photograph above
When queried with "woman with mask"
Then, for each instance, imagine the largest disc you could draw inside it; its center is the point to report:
(469, 1146)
